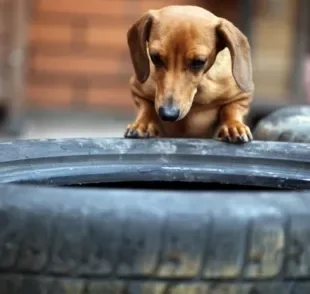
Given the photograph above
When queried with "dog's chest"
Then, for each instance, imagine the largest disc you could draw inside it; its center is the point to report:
(200, 122)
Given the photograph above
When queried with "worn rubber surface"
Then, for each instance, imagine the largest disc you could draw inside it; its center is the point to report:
(288, 124)
(57, 240)
(80, 161)
(260, 109)
(63, 241)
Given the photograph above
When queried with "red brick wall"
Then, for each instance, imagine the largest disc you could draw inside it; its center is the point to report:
(5, 27)
(78, 51)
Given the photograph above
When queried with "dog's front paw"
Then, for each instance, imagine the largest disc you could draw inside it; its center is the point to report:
(234, 132)
(142, 129)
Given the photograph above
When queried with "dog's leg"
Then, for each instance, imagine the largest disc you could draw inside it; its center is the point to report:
(231, 127)
(146, 123)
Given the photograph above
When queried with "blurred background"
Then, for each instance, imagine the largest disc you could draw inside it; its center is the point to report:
(64, 64)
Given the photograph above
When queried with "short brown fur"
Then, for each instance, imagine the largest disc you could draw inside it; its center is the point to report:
(212, 101)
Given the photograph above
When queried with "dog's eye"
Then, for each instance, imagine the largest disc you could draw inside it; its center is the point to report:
(197, 64)
(156, 59)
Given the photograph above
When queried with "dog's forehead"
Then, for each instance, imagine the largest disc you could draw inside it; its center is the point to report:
(185, 11)
(184, 21)
(191, 35)
(183, 26)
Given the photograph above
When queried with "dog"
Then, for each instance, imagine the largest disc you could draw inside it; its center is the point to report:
(193, 76)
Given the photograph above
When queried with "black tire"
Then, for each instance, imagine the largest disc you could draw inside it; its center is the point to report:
(86, 161)
(61, 240)
(288, 124)
(261, 109)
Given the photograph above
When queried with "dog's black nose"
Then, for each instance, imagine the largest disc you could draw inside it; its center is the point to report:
(169, 112)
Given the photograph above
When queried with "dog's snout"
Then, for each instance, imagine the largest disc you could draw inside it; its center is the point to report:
(169, 112)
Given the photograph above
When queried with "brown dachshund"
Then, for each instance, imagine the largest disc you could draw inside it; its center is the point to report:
(193, 76)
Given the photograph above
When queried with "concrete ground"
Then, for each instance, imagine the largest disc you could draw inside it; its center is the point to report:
(52, 124)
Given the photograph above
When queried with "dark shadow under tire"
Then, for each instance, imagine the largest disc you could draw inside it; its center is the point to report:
(63, 240)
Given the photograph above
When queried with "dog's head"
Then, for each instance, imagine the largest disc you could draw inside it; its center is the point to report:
(182, 42)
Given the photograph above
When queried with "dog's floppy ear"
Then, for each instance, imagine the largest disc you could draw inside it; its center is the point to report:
(238, 45)
(137, 36)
